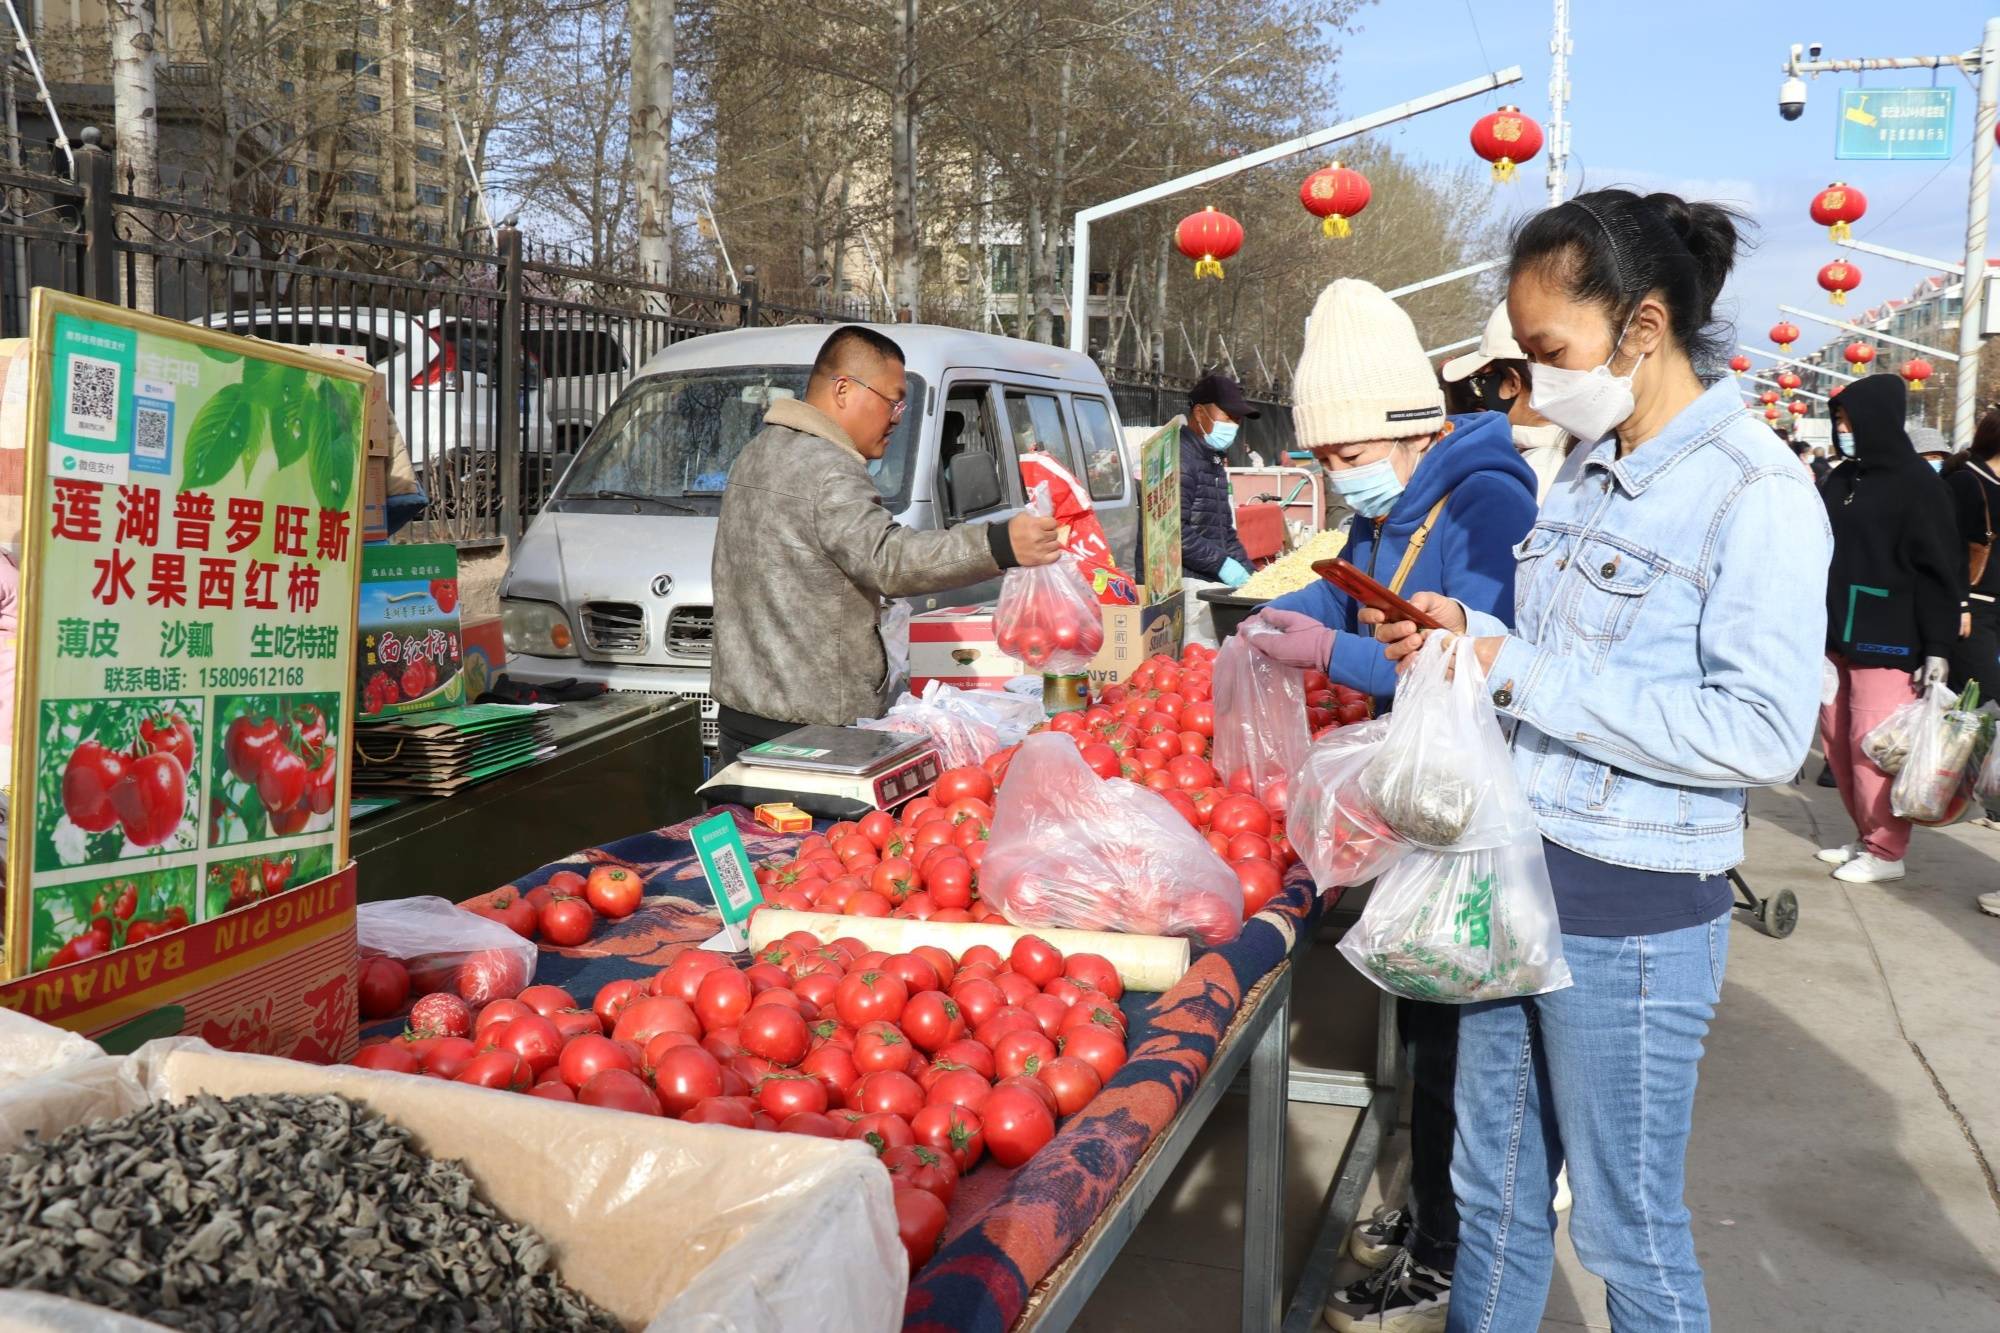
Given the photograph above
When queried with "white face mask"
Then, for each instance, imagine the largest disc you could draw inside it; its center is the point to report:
(1589, 404)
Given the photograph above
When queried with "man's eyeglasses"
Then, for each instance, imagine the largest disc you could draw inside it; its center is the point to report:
(897, 406)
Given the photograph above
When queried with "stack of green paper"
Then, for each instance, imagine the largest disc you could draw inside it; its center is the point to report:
(441, 751)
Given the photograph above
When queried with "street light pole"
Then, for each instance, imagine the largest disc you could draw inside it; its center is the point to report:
(1559, 53)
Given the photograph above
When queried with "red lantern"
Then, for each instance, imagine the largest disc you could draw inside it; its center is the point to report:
(1840, 278)
(1837, 207)
(1208, 238)
(1506, 138)
(1784, 335)
(1788, 382)
(1799, 407)
(1771, 413)
(1858, 355)
(1916, 370)
(1739, 363)
(1768, 397)
(1335, 194)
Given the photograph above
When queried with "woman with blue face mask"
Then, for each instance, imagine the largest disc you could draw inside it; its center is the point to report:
(1664, 658)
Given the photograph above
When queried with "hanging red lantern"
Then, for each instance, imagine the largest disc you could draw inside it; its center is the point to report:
(1840, 278)
(1799, 407)
(1858, 355)
(1506, 138)
(1208, 238)
(1768, 397)
(1739, 363)
(1335, 194)
(1788, 382)
(1784, 335)
(1772, 413)
(1916, 370)
(1837, 207)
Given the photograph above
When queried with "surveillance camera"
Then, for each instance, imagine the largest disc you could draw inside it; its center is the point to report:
(1813, 49)
(1792, 99)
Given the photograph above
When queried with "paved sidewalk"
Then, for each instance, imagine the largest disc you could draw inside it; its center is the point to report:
(1846, 1135)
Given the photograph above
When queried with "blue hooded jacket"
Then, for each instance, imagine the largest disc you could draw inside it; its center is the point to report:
(1468, 556)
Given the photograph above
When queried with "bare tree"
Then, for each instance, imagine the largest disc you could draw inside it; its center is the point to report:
(650, 140)
(135, 68)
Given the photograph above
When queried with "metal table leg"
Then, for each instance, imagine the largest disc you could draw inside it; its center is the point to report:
(1264, 1176)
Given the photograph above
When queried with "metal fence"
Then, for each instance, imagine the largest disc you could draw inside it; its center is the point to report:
(499, 361)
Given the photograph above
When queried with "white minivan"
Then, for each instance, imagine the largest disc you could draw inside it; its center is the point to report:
(610, 582)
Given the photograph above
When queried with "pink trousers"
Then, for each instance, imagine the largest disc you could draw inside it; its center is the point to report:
(1866, 695)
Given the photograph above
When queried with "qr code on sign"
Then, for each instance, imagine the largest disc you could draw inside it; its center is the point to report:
(91, 398)
(730, 877)
(150, 431)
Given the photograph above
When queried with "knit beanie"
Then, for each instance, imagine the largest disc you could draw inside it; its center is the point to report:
(1363, 374)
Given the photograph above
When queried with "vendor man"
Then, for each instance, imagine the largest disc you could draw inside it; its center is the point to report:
(1211, 552)
(806, 554)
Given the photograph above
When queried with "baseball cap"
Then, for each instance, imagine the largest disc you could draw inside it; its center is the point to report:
(1223, 391)
(1496, 344)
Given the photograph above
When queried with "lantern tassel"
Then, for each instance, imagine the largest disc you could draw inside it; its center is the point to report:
(1336, 226)
(1784, 347)
(1840, 298)
(1503, 170)
(1916, 386)
(1208, 266)
(1840, 231)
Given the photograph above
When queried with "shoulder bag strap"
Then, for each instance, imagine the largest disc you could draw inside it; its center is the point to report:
(1416, 546)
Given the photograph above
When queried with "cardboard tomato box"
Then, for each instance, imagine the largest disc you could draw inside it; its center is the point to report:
(1134, 633)
(276, 977)
(955, 646)
(411, 652)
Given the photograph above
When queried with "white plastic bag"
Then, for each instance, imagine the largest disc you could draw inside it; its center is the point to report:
(969, 726)
(1456, 927)
(446, 947)
(1047, 616)
(1443, 777)
(1935, 783)
(1260, 711)
(1069, 848)
(1987, 787)
(1332, 826)
(1887, 744)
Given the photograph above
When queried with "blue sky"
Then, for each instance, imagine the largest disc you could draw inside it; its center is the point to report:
(1683, 97)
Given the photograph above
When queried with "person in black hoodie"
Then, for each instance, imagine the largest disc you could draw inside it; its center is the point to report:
(1893, 598)
(1973, 477)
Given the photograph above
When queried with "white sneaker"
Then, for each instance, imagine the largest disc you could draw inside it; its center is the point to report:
(1989, 903)
(1840, 856)
(1866, 869)
(1563, 1199)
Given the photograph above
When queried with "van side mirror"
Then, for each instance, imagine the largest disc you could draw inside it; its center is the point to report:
(972, 483)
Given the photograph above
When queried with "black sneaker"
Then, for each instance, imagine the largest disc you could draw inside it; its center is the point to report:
(1402, 1297)
(1375, 1241)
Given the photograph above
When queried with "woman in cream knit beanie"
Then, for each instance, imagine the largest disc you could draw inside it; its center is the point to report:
(1363, 377)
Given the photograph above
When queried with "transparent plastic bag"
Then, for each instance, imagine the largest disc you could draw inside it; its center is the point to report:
(1444, 778)
(1260, 711)
(1069, 848)
(448, 948)
(1048, 617)
(1332, 826)
(1986, 788)
(969, 726)
(1456, 927)
(1887, 744)
(1934, 784)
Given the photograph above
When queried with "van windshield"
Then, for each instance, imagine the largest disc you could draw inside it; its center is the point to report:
(672, 438)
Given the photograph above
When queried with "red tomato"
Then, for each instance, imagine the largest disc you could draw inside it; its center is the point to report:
(916, 973)
(1242, 814)
(1175, 797)
(1218, 844)
(1072, 1081)
(1248, 844)
(764, 976)
(533, 1038)
(880, 1045)
(613, 997)
(1022, 1053)
(1276, 796)
(817, 989)
(934, 833)
(836, 1070)
(781, 1095)
(1194, 745)
(1261, 881)
(959, 784)
(733, 1111)
(1190, 773)
(932, 1021)
(444, 1057)
(1098, 1015)
(887, 1091)
(1004, 1021)
(657, 1048)
(954, 1130)
(1095, 971)
(977, 998)
(497, 1069)
(939, 959)
(864, 996)
(1199, 717)
(384, 985)
(958, 1086)
(498, 1012)
(920, 1220)
(877, 826)
(782, 998)
(1102, 1050)
(554, 1092)
(866, 903)
(1036, 959)
(723, 1044)
(567, 922)
(685, 1076)
(1015, 988)
(1048, 1012)
(588, 1056)
(1033, 1086)
(970, 1053)
(1103, 760)
(619, 1090)
(914, 812)
(918, 1166)
(642, 1020)
(814, 1124)
(949, 882)
(393, 1057)
(577, 1023)
(895, 879)
(722, 999)
(881, 1131)
(980, 953)
(971, 810)
(774, 1032)
(614, 891)
(547, 1000)
(1017, 1124)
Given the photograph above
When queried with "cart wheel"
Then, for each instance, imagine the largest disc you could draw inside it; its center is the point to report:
(1778, 915)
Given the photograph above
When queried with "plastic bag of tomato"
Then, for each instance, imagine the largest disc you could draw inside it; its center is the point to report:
(933, 1061)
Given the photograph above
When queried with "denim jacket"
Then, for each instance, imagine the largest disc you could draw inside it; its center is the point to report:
(1670, 615)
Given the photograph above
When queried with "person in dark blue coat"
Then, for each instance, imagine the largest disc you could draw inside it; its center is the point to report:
(1211, 552)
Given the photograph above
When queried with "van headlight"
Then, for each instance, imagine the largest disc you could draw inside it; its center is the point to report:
(538, 629)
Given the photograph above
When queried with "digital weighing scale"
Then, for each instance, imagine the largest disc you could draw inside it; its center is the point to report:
(832, 772)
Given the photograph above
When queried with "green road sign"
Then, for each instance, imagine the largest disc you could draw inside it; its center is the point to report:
(1894, 125)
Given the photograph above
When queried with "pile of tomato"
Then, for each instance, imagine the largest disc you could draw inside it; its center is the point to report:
(288, 763)
(933, 1061)
(564, 911)
(116, 923)
(141, 788)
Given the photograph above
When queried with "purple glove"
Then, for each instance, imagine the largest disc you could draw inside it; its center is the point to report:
(1300, 641)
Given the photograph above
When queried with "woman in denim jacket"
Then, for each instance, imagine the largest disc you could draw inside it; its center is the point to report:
(1670, 613)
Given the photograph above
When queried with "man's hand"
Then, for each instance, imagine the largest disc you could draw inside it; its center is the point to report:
(1965, 624)
(1402, 638)
(1036, 540)
(1299, 641)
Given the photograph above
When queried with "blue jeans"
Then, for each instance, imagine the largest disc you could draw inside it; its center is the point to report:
(1601, 1074)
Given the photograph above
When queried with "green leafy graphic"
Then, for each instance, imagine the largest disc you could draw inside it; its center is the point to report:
(288, 403)
(218, 437)
(335, 449)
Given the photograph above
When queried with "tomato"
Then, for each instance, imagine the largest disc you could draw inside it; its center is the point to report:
(588, 1056)
(384, 985)
(774, 1032)
(532, 1037)
(958, 1086)
(932, 1021)
(971, 1054)
(553, 1092)
(1199, 717)
(1242, 814)
(881, 1131)
(614, 891)
(864, 996)
(149, 798)
(1098, 1015)
(281, 778)
(619, 1090)
(916, 974)
(1103, 760)
(567, 922)
(444, 1057)
(880, 1045)
(877, 826)
(496, 1069)
(949, 882)
(682, 978)
(970, 811)
(613, 997)
(962, 784)
(980, 953)
(497, 1012)
(887, 1091)
(563, 883)
(1102, 1050)
(547, 1000)
(1261, 882)
(441, 1015)
(1016, 988)
(934, 833)
(785, 1094)
(1095, 971)
(938, 958)
(576, 1023)
(1049, 1012)
(510, 909)
(1022, 1053)
(1035, 959)
(818, 988)
(895, 879)
(388, 1056)
(1017, 1124)
(977, 998)
(644, 1019)
(722, 999)
(1072, 1081)
(836, 1070)
(170, 734)
(918, 1166)
(245, 743)
(1004, 1021)
(1190, 773)
(721, 1111)
(915, 811)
